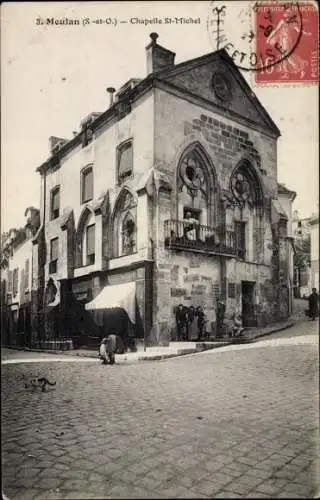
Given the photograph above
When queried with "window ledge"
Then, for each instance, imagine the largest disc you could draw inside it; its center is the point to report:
(83, 270)
(124, 260)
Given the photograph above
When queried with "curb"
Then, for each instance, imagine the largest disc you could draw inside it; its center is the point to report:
(159, 357)
(274, 330)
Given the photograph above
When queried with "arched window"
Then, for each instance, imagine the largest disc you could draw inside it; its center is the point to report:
(194, 187)
(85, 239)
(247, 195)
(124, 225)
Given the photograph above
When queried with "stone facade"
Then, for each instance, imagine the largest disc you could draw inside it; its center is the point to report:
(190, 139)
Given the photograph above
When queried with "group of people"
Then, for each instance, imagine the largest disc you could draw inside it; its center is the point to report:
(190, 322)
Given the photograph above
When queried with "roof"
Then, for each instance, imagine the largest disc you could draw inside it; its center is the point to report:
(282, 189)
(149, 82)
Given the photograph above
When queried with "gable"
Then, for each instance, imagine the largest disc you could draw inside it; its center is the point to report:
(197, 77)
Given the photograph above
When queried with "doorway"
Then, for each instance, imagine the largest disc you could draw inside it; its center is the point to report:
(248, 303)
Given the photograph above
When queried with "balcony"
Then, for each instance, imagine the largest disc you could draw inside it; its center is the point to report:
(181, 235)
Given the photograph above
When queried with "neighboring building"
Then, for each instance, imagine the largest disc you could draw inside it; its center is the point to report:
(169, 196)
(314, 223)
(16, 281)
(301, 229)
(287, 249)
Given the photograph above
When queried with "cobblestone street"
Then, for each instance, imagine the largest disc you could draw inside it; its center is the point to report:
(237, 422)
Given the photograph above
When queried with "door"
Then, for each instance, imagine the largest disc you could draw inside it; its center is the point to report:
(248, 303)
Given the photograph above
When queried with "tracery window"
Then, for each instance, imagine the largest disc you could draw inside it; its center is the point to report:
(193, 190)
(125, 231)
(247, 202)
(85, 239)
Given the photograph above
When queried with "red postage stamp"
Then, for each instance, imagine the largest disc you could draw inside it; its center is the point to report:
(287, 34)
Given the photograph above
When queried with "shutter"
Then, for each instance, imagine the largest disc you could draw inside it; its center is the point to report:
(125, 160)
(54, 251)
(26, 275)
(10, 281)
(87, 187)
(91, 239)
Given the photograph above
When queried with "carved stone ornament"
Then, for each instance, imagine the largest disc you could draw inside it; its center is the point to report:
(241, 189)
(221, 86)
(192, 175)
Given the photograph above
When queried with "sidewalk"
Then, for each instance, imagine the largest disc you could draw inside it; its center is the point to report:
(176, 348)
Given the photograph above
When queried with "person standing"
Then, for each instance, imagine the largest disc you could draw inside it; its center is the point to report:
(313, 304)
(192, 324)
(221, 309)
(200, 316)
(181, 321)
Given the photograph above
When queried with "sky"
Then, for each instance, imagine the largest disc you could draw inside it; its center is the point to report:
(53, 76)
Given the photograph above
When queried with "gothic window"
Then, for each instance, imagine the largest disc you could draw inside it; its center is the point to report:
(241, 189)
(85, 239)
(124, 225)
(193, 188)
(90, 244)
(247, 203)
(245, 186)
(15, 279)
(192, 175)
(10, 281)
(26, 270)
(128, 235)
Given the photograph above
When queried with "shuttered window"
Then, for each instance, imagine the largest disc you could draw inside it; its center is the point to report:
(55, 203)
(54, 254)
(125, 160)
(90, 242)
(15, 281)
(240, 228)
(87, 185)
(26, 275)
(10, 281)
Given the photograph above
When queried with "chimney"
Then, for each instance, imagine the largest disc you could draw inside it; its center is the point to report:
(111, 91)
(158, 57)
(74, 133)
(55, 143)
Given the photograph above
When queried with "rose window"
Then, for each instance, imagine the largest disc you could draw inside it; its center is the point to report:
(241, 189)
(191, 173)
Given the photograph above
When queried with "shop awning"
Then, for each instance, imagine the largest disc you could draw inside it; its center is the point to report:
(112, 296)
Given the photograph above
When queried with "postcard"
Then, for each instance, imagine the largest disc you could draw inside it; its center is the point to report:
(160, 203)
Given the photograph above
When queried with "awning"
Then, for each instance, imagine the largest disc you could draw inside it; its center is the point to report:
(116, 296)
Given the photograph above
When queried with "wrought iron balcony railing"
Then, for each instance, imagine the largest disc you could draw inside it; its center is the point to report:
(192, 236)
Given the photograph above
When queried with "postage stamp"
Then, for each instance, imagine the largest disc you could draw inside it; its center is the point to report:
(290, 29)
(275, 40)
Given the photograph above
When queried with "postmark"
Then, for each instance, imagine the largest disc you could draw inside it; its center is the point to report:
(244, 29)
(280, 24)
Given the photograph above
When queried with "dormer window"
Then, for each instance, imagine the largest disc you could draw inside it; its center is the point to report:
(55, 203)
(125, 161)
(87, 184)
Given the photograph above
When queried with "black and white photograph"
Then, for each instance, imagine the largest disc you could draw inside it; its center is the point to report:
(160, 249)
